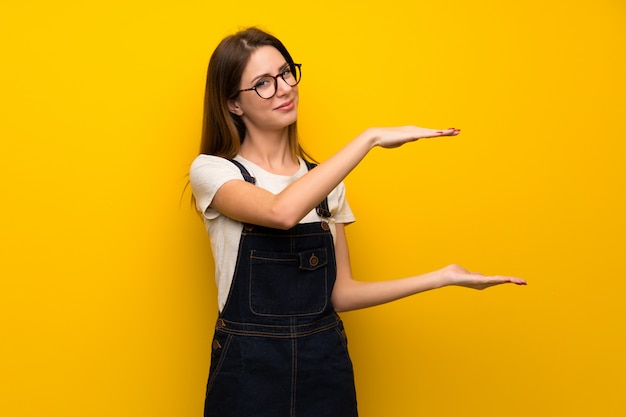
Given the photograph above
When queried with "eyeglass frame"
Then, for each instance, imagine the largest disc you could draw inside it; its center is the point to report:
(275, 77)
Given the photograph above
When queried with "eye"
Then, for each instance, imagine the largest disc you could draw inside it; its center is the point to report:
(286, 72)
(263, 83)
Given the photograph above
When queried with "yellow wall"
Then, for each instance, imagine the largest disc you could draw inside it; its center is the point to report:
(106, 294)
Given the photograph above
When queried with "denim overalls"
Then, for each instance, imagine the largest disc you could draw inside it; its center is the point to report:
(279, 348)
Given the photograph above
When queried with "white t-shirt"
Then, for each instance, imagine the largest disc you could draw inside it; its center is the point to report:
(208, 173)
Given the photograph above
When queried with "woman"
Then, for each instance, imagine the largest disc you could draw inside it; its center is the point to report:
(276, 224)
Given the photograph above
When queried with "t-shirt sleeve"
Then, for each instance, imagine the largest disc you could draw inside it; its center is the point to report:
(343, 212)
(206, 175)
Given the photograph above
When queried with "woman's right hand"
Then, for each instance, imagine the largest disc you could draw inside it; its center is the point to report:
(393, 137)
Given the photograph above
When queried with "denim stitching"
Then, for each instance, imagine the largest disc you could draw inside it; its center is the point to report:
(294, 371)
(218, 367)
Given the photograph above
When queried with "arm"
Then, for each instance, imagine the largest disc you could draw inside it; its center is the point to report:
(249, 204)
(349, 294)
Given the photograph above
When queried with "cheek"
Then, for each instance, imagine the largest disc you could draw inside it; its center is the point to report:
(255, 105)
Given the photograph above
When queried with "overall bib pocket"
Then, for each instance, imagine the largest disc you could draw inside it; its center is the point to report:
(288, 284)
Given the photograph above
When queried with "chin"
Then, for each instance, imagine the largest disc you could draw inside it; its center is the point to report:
(290, 119)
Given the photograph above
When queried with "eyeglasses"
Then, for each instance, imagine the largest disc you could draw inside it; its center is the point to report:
(267, 86)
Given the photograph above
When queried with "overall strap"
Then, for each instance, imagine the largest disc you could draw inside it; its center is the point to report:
(246, 175)
(322, 208)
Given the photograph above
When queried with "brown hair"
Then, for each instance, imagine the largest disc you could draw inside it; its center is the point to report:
(222, 131)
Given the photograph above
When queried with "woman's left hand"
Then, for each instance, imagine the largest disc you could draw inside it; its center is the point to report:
(459, 276)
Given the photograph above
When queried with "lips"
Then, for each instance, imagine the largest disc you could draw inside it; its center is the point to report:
(289, 105)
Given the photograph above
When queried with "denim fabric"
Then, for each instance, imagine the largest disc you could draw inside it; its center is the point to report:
(280, 349)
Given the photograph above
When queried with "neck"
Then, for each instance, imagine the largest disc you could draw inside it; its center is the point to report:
(270, 151)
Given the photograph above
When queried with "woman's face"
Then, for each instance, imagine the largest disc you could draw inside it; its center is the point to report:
(261, 114)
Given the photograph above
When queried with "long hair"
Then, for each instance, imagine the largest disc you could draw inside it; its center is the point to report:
(222, 131)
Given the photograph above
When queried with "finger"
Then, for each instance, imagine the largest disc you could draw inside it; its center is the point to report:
(448, 132)
(513, 280)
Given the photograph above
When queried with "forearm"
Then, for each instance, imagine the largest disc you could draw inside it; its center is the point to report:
(295, 201)
(352, 295)
(299, 198)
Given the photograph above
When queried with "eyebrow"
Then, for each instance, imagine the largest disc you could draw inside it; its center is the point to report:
(282, 67)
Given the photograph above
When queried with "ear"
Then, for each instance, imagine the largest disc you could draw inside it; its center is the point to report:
(234, 108)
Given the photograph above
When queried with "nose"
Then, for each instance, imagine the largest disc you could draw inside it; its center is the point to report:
(282, 87)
